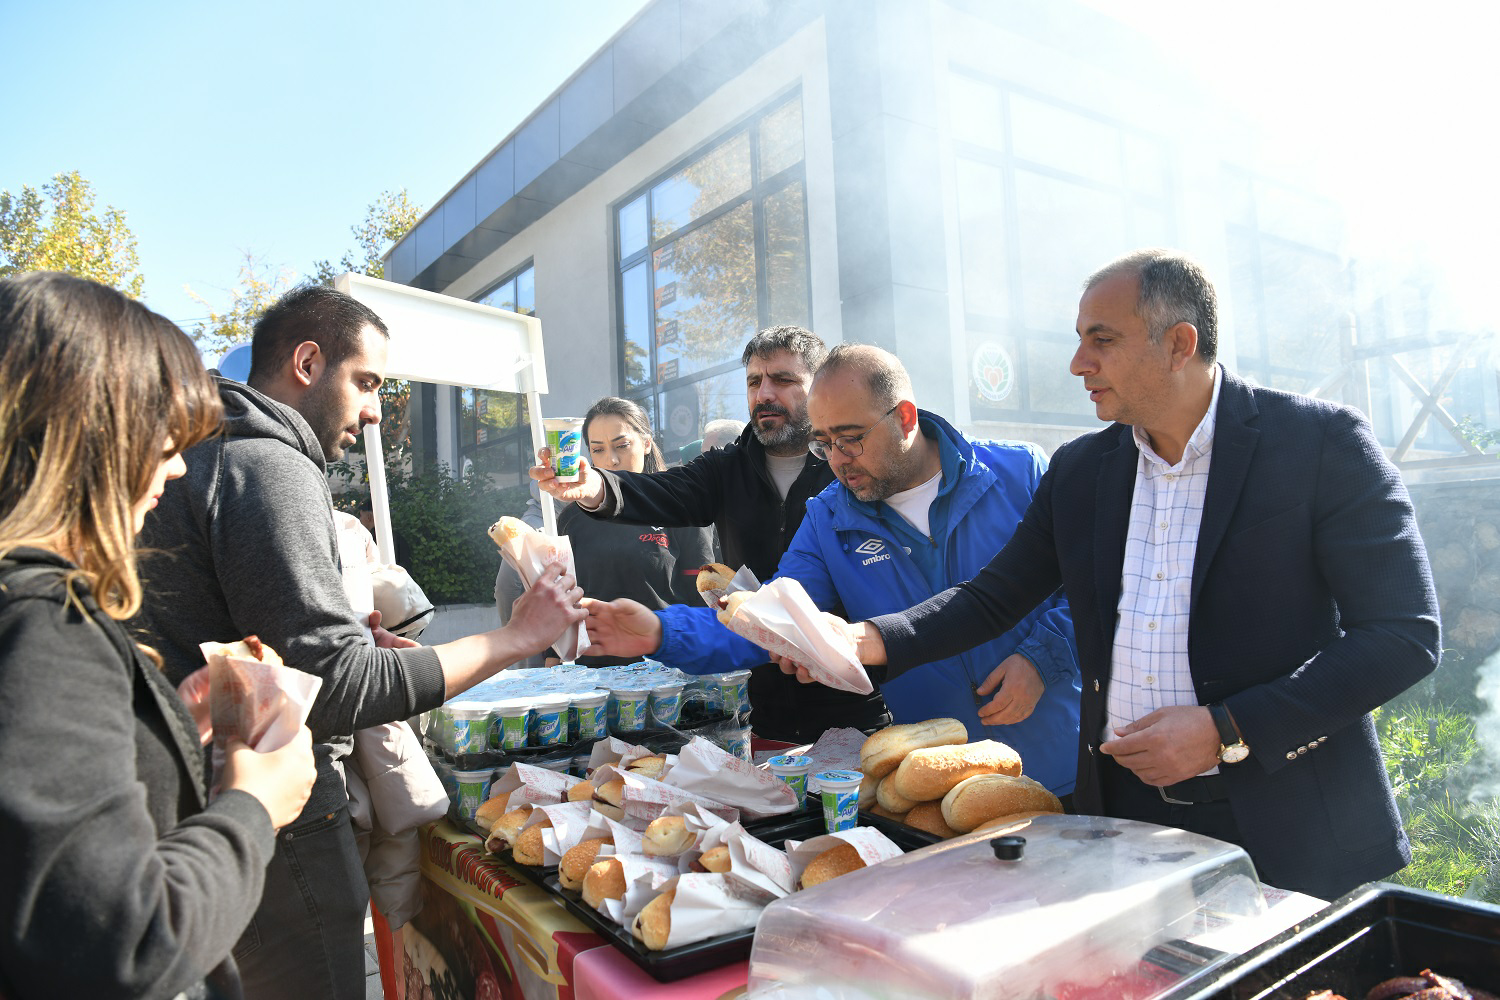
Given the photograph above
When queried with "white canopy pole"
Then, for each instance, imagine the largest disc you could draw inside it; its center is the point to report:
(449, 341)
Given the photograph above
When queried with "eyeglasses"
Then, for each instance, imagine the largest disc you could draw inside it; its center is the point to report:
(852, 445)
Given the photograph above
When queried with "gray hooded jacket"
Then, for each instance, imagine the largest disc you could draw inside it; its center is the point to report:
(245, 545)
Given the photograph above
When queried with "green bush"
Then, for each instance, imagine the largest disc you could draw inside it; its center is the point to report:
(1434, 760)
(445, 521)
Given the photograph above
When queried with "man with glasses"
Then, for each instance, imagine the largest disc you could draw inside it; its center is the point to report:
(918, 508)
(753, 491)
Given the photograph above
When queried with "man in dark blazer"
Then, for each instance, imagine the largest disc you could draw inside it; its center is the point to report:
(1253, 544)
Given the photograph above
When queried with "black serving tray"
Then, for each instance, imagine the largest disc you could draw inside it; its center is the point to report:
(1377, 931)
(700, 956)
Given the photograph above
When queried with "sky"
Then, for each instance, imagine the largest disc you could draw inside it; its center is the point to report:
(266, 129)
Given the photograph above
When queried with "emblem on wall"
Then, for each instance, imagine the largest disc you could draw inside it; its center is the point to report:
(992, 372)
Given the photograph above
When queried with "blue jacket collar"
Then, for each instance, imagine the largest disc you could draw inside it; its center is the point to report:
(959, 470)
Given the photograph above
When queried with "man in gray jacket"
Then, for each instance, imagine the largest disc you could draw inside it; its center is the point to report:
(246, 545)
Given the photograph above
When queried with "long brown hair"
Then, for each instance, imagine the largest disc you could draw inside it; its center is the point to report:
(634, 416)
(92, 387)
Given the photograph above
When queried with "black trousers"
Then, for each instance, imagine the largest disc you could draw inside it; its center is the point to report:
(1127, 797)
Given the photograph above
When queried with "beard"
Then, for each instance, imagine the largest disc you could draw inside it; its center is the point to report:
(795, 429)
(320, 408)
(903, 474)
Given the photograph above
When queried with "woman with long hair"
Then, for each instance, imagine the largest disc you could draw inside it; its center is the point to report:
(655, 566)
(121, 878)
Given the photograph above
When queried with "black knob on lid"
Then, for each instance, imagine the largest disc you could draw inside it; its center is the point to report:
(1009, 848)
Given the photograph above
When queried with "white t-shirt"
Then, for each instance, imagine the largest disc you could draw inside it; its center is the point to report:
(914, 504)
(784, 471)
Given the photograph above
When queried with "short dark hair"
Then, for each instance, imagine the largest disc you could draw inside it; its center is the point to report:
(1174, 289)
(326, 316)
(801, 342)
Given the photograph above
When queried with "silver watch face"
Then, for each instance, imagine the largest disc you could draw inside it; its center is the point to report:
(1234, 753)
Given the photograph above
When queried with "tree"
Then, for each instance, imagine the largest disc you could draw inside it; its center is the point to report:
(258, 286)
(67, 235)
(388, 218)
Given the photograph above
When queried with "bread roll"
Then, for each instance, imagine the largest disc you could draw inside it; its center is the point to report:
(715, 859)
(713, 576)
(528, 847)
(832, 863)
(733, 604)
(604, 880)
(577, 861)
(249, 648)
(508, 529)
(504, 830)
(890, 799)
(1014, 821)
(667, 837)
(580, 791)
(609, 799)
(654, 923)
(927, 774)
(986, 796)
(490, 810)
(648, 767)
(928, 817)
(884, 750)
(867, 799)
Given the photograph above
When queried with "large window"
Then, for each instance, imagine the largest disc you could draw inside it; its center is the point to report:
(1045, 192)
(709, 254)
(494, 428)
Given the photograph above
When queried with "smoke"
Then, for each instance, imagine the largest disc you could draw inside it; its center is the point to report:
(1487, 730)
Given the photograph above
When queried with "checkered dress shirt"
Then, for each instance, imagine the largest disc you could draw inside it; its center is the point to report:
(1149, 666)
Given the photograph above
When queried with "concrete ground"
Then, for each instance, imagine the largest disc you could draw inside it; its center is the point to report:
(372, 967)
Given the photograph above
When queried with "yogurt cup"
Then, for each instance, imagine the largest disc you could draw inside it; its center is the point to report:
(666, 704)
(738, 744)
(631, 706)
(511, 723)
(792, 769)
(565, 441)
(473, 790)
(551, 714)
(734, 691)
(713, 698)
(840, 792)
(590, 715)
(467, 727)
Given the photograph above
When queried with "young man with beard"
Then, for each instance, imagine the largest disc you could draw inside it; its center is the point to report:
(917, 508)
(245, 544)
(754, 492)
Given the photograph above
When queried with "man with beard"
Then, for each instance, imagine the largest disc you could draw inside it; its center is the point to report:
(918, 508)
(245, 544)
(754, 491)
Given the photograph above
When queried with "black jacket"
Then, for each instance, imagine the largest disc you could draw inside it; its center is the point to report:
(728, 487)
(119, 879)
(731, 488)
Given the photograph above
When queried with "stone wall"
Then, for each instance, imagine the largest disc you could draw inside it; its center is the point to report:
(1460, 523)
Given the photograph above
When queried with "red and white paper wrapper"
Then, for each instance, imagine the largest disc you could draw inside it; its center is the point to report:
(753, 861)
(744, 579)
(613, 750)
(261, 703)
(644, 878)
(706, 828)
(523, 783)
(707, 770)
(645, 798)
(871, 844)
(708, 904)
(781, 619)
(529, 553)
(569, 821)
(836, 750)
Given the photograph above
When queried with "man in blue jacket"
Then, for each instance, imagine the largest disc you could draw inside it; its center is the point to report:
(917, 508)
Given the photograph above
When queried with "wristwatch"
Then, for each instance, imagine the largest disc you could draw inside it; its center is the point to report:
(1232, 748)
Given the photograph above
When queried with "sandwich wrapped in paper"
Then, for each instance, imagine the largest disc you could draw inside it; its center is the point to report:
(252, 695)
(529, 551)
(781, 619)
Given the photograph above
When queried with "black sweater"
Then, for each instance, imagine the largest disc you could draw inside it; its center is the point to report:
(118, 881)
